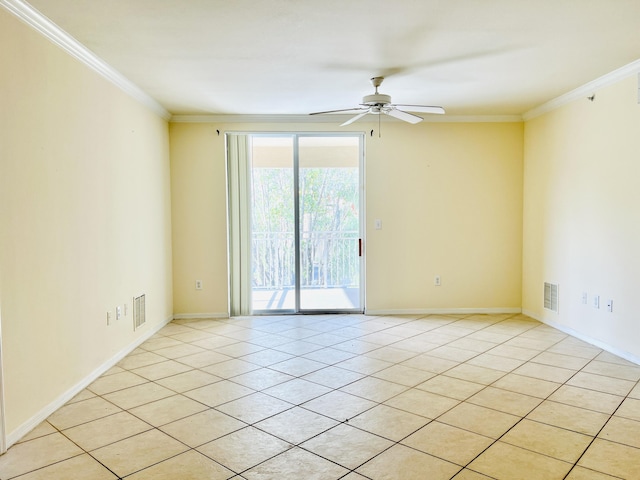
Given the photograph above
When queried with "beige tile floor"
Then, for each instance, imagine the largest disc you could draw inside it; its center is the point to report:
(348, 396)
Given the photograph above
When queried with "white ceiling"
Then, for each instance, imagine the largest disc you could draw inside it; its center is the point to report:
(473, 57)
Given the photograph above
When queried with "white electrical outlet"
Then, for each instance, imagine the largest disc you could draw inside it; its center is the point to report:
(108, 318)
(436, 281)
(198, 284)
(585, 298)
(118, 312)
(595, 301)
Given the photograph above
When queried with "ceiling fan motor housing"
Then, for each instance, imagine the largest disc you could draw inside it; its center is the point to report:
(376, 99)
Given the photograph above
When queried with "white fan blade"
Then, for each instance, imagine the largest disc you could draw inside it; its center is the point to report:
(407, 117)
(346, 110)
(421, 108)
(357, 117)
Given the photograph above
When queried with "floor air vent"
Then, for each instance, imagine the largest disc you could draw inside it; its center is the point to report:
(551, 296)
(138, 312)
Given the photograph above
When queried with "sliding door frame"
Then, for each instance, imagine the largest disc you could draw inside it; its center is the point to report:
(361, 220)
(3, 432)
(295, 136)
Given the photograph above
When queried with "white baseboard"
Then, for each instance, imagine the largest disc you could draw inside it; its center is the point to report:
(531, 314)
(585, 338)
(444, 311)
(197, 316)
(411, 311)
(43, 414)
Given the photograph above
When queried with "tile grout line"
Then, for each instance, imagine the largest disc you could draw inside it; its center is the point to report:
(398, 442)
(339, 389)
(418, 354)
(370, 375)
(595, 437)
(435, 419)
(382, 346)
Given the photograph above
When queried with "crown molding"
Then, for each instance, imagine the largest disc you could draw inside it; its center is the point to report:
(253, 118)
(585, 90)
(238, 118)
(29, 15)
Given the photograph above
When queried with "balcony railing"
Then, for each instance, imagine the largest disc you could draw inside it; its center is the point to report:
(327, 259)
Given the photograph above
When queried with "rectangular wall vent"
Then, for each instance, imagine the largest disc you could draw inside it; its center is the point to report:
(551, 296)
(138, 312)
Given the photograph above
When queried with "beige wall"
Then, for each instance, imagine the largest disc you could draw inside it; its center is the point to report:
(199, 218)
(449, 196)
(582, 216)
(84, 220)
(450, 199)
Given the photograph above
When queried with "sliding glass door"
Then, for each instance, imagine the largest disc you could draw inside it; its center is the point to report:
(305, 215)
(273, 224)
(328, 177)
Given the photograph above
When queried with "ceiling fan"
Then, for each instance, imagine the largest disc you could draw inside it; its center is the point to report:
(380, 103)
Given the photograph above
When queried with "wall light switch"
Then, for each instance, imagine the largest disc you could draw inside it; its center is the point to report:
(378, 224)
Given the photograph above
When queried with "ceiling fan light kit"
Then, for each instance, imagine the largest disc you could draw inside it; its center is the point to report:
(379, 103)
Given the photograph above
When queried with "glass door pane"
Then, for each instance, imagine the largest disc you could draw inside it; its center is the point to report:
(273, 261)
(329, 222)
